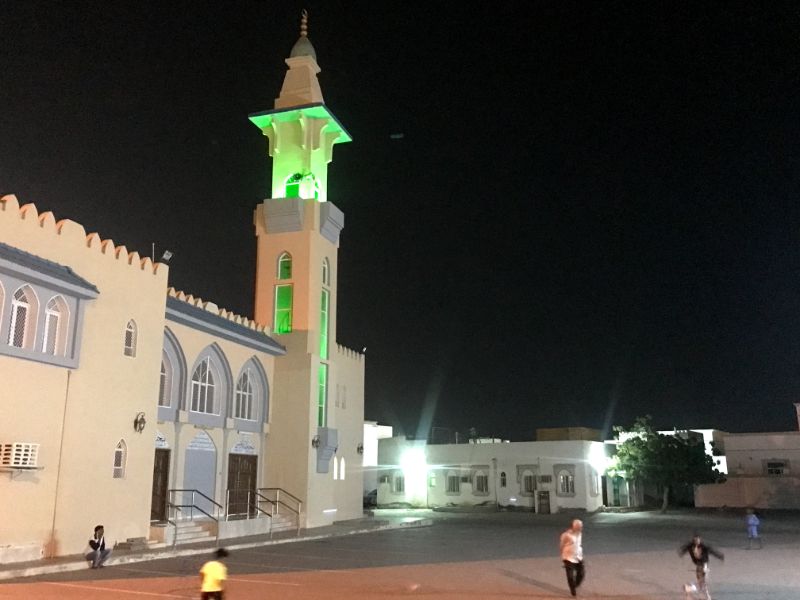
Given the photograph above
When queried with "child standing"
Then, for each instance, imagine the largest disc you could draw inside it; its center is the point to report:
(752, 522)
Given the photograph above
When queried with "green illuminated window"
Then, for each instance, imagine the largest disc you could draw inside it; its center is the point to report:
(293, 186)
(285, 266)
(322, 396)
(283, 309)
(323, 324)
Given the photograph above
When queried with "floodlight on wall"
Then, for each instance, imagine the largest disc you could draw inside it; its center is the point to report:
(166, 256)
(315, 442)
(360, 448)
(139, 422)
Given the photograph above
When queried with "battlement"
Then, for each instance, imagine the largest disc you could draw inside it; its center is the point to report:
(349, 353)
(215, 310)
(67, 232)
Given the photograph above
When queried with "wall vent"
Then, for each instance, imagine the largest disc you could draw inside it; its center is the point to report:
(19, 455)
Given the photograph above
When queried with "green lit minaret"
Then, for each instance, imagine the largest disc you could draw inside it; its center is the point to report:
(301, 129)
(297, 231)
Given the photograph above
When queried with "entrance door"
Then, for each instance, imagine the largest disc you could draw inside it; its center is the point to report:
(543, 499)
(242, 485)
(158, 504)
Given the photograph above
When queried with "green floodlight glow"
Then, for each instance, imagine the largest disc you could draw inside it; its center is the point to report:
(264, 120)
(283, 309)
(323, 324)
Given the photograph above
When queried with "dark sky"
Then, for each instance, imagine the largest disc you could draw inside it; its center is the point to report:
(592, 215)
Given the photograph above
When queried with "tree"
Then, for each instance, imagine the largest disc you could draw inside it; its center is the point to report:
(665, 460)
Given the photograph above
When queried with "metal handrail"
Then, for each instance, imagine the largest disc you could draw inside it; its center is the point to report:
(193, 506)
(277, 503)
(250, 504)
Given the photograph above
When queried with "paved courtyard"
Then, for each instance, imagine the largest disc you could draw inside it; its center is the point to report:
(464, 556)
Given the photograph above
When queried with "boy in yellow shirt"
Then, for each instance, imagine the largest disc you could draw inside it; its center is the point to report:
(212, 576)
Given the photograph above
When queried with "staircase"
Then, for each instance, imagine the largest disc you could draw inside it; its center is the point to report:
(193, 532)
(284, 522)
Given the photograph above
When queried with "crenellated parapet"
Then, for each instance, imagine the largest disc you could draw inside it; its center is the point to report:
(349, 353)
(215, 310)
(67, 235)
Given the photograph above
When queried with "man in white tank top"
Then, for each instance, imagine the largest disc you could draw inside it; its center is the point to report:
(572, 555)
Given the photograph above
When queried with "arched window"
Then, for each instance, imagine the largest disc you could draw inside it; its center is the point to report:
(341, 468)
(566, 483)
(502, 479)
(243, 406)
(335, 468)
(120, 457)
(165, 387)
(203, 388)
(130, 338)
(326, 272)
(55, 320)
(23, 318)
(285, 266)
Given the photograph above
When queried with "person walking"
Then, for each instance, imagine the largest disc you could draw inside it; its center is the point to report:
(213, 575)
(752, 522)
(571, 545)
(99, 555)
(699, 552)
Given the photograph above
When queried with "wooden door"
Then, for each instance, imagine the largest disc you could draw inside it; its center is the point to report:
(158, 504)
(242, 476)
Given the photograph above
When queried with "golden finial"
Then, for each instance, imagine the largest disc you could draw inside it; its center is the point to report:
(304, 23)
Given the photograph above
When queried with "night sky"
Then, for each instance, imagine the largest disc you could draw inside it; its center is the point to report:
(592, 213)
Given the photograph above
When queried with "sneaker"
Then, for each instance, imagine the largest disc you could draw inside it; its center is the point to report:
(689, 588)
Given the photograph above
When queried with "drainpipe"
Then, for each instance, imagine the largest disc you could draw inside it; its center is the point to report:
(52, 543)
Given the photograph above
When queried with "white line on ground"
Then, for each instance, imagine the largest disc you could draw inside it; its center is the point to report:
(114, 590)
(264, 581)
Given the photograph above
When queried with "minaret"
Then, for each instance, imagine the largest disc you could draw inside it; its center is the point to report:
(296, 275)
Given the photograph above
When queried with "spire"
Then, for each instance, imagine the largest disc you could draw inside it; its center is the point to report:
(300, 86)
(302, 46)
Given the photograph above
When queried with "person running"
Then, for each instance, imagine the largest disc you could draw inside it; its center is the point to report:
(752, 521)
(212, 576)
(699, 552)
(571, 544)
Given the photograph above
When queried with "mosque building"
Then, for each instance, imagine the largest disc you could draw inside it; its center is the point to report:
(159, 414)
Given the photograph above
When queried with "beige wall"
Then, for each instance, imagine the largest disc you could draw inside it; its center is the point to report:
(105, 393)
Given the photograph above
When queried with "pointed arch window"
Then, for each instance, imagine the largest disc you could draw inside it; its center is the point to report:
(165, 386)
(285, 266)
(130, 338)
(55, 320)
(335, 468)
(203, 388)
(243, 407)
(326, 272)
(120, 458)
(341, 468)
(23, 317)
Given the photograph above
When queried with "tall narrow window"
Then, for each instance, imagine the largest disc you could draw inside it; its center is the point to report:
(19, 333)
(285, 266)
(243, 408)
(203, 388)
(283, 309)
(326, 272)
(323, 324)
(341, 468)
(120, 455)
(54, 320)
(130, 338)
(293, 185)
(335, 468)
(165, 387)
(322, 396)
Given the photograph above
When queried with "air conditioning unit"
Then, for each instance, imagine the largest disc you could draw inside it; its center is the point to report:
(19, 455)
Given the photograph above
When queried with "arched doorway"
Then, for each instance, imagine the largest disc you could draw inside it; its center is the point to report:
(200, 471)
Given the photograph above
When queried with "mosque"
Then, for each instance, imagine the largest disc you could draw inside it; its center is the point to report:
(154, 412)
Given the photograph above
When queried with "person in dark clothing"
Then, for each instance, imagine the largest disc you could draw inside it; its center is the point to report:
(699, 552)
(99, 554)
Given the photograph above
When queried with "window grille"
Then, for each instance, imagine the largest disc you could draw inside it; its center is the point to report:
(777, 468)
(20, 312)
(130, 339)
(482, 484)
(203, 388)
(545, 478)
(165, 387)
(243, 408)
(528, 483)
(399, 484)
(453, 484)
(52, 321)
(503, 479)
(19, 455)
(119, 460)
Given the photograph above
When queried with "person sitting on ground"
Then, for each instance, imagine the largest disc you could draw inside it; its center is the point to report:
(212, 576)
(99, 554)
